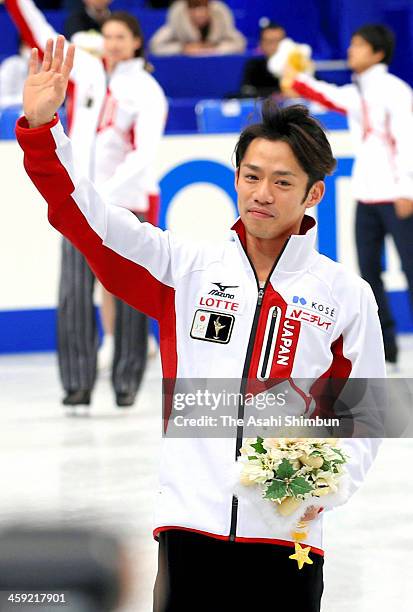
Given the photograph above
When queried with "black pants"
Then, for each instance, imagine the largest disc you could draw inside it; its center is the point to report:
(199, 573)
(78, 335)
(373, 222)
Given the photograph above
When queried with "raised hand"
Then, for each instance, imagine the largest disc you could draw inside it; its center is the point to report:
(45, 87)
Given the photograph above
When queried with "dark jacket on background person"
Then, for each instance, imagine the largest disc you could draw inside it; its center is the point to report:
(80, 21)
(257, 81)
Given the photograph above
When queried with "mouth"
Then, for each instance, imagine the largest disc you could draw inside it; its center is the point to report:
(259, 213)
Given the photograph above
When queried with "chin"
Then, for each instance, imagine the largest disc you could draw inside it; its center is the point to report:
(258, 231)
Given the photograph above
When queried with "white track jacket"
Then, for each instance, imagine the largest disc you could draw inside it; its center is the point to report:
(379, 107)
(336, 333)
(115, 123)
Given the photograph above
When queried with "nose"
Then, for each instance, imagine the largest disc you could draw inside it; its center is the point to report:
(263, 193)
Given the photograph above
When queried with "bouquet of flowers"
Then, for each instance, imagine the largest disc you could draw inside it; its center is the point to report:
(292, 474)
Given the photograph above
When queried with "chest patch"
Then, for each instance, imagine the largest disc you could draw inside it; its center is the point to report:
(212, 326)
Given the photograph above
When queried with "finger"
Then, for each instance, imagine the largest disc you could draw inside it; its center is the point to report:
(68, 63)
(58, 54)
(48, 53)
(34, 62)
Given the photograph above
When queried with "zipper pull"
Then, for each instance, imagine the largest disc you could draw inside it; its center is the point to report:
(260, 296)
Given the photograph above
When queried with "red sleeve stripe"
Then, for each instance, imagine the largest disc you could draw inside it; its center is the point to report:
(22, 25)
(311, 94)
(224, 538)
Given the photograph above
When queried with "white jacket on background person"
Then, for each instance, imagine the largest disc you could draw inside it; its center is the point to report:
(379, 107)
(115, 121)
(326, 326)
(13, 73)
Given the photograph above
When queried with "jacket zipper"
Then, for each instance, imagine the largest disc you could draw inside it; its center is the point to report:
(247, 364)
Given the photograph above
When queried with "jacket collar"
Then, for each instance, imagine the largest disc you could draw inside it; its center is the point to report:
(299, 250)
(126, 65)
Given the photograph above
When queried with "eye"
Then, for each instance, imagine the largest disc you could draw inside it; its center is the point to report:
(283, 183)
(251, 177)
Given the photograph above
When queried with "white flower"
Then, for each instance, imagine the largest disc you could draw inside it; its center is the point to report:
(247, 449)
(271, 443)
(326, 479)
(255, 474)
(276, 455)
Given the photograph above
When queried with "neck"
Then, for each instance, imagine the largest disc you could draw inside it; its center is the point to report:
(109, 66)
(263, 253)
(362, 71)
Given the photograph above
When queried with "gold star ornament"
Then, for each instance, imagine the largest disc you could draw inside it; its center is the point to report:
(301, 555)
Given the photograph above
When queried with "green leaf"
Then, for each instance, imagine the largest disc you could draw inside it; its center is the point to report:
(300, 486)
(276, 490)
(252, 457)
(258, 446)
(343, 458)
(285, 469)
(326, 466)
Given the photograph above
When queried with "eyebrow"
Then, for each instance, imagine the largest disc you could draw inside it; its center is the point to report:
(275, 173)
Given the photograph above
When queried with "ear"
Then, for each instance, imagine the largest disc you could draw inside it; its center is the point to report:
(236, 179)
(315, 195)
(138, 43)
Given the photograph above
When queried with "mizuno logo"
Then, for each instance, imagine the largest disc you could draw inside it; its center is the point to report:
(223, 288)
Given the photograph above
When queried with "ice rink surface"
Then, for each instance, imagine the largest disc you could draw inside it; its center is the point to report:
(101, 471)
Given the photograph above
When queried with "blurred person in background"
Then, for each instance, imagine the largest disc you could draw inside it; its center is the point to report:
(257, 79)
(13, 73)
(83, 27)
(116, 117)
(379, 107)
(198, 27)
(89, 17)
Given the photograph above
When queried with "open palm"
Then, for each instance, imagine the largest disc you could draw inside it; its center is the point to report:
(45, 86)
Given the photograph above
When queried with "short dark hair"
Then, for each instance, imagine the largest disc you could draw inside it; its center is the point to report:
(380, 38)
(303, 133)
(271, 26)
(197, 3)
(132, 24)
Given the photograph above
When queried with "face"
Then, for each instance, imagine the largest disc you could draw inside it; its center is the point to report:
(270, 39)
(98, 5)
(361, 55)
(271, 187)
(199, 16)
(119, 42)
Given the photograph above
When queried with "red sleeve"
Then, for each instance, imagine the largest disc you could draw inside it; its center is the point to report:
(309, 93)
